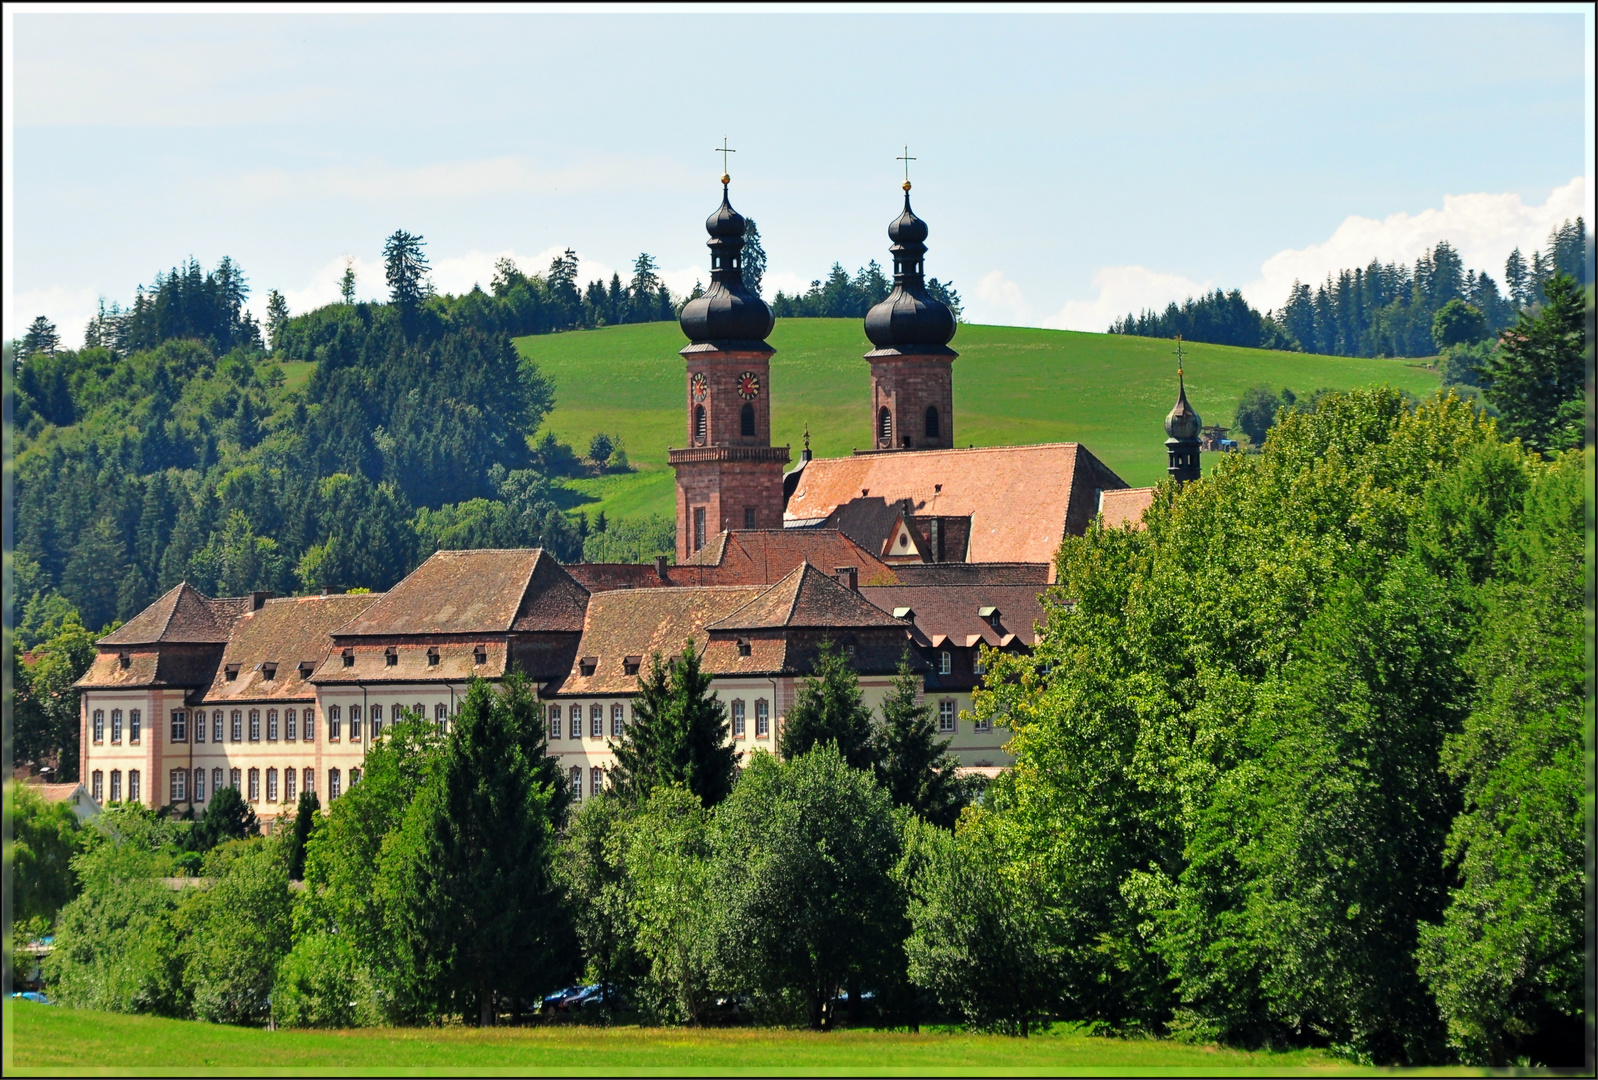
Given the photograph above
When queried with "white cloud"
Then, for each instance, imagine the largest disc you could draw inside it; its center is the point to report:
(1123, 289)
(496, 176)
(1482, 227)
(999, 300)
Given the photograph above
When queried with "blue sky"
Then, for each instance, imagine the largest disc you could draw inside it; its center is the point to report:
(1071, 164)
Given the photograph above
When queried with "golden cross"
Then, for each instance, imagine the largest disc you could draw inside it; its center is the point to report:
(1179, 355)
(724, 150)
(907, 159)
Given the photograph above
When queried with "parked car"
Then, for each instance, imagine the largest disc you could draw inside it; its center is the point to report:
(33, 996)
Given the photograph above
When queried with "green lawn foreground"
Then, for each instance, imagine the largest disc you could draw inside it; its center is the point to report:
(45, 1039)
(1012, 386)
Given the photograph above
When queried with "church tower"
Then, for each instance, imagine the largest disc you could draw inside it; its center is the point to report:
(729, 476)
(912, 366)
(1182, 426)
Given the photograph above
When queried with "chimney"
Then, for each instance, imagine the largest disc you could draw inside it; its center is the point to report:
(660, 567)
(847, 577)
(258, 600)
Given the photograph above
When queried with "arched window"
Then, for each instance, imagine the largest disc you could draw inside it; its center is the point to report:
(99, 725)
(116, 725)
(441, 715)
(932, 422)
(419, 710)
(746, 422)
(596, 780)
(255, 725)
(596, 721)
(615, 720)
(271, 725)
(885, 426)
(701, 425)
(945, 663)
(238, 726)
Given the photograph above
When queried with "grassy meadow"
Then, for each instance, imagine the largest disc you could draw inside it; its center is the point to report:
(1012, 385)
(43, 1039)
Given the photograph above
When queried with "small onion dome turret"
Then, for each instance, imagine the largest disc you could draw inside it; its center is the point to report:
(729, 315)
(1182, 422)
(909, 320)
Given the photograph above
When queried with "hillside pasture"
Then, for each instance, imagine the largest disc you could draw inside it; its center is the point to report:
(1012, 386)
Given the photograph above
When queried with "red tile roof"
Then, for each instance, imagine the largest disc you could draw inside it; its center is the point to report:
(806, 598)
(482, 591)
(640, 623)
(765, 556)
(287, 633)
(182, 615)
(1022, 500)
(1125, 507)
(457, 662)
(950, 612)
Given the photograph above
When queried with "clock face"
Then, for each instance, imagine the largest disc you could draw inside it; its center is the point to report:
(699, 386)
(748, 385)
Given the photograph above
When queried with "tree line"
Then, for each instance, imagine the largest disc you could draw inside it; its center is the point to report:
(841, 297)
(1384, 309)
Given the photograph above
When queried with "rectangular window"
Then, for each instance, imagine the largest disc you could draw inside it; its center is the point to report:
(310, 726)
(180, 785)
(255, 785)
(271, 725)
(116, 786)
(946, 715)
(615, 720)
(199, 725)
(271, 785)
(237, 734)
(762, 718)
(554, 722)
(216, 726)
(335, 721)
(738, 719)
(234, 778)
(945, 663)
(309, 776)
(289, 778)
(133, 785)
(377, 721)
(699, 527)
(577, 783)
(977, 665)
(216, 781)
(334, 783)
(180, 725)
(199, 783)
(291, 725)
(255, 725)
(596, 721)
(355, 723)
(355, 777)
(99, 725)
(135, 725)
(749, 517)
(441, 718)
(596, 780)
(116, 725)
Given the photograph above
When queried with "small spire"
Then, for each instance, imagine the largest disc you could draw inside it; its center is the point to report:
(724, 150)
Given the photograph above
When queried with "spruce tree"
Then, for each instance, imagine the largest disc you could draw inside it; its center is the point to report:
(346, 284)
(678, 734)
(1535, 377)
(829, 709)
(405, 267)
(41, 339)
(304, 820)
(754, 256)
(912, 763)
(277, 316)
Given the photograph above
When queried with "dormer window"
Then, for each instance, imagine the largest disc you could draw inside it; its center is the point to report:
(269, 670)
(349, 657)
(588, 665)
(432, 656)
(232, 672)
(744, 646)
(480, 655)
(391, 656)
(904, 613)
(630, 664)
(306, 667)
(989, 615)
(123, 660)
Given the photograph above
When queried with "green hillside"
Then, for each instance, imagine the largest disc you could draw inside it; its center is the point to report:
(1012, 385)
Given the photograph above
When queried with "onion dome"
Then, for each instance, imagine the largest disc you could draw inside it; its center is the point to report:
(729, 315)
(1182, 422)
(909, 320)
